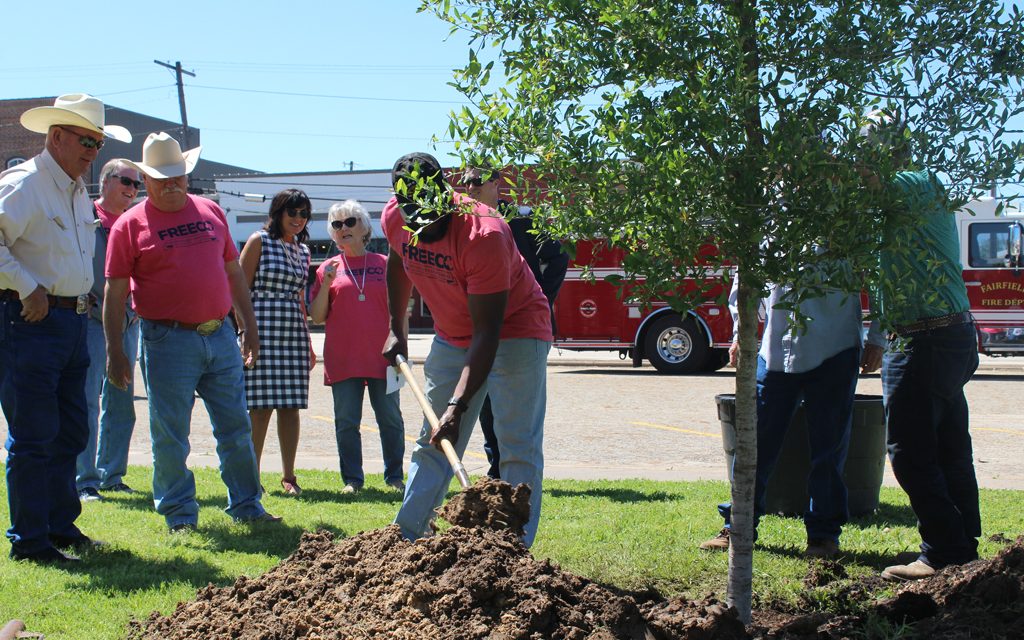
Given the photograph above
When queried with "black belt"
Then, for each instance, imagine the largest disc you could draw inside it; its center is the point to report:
(80, 303)
(937, 322)
(202, 328)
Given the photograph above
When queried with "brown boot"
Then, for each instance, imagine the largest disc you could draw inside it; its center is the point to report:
(916, 570)
(821, 548)
(718, 543)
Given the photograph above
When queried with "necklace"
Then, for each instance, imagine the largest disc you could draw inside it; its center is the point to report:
(359, 287)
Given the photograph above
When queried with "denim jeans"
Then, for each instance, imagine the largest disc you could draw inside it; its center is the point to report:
(42, 391)
(827, 392)
(180, 363)
(111, 414)
(348, 413)
(490, 440)
(517, 385)
(928, 438)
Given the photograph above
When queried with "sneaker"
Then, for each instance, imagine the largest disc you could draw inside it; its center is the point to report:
(821, 548)
(50, 555)
(350, 488)
(916, 570)
(80, 543)
(291, 486)
(397, 485)
(718, 543)
(120, 487)
(89, 494)
(183, 527)
(263, 517)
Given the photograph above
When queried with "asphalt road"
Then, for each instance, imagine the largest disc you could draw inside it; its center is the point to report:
(606, 419)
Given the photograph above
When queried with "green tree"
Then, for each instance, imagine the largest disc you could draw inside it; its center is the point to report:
(663, 124)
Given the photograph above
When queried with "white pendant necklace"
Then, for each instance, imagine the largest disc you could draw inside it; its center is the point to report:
(359, 287)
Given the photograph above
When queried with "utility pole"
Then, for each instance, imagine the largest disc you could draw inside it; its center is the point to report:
(176, 67)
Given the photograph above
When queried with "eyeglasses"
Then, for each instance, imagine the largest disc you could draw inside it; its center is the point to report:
(299, 212)
(128, 182)
(347, 222)
(86, 141)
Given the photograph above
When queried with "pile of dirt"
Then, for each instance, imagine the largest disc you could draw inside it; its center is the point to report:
(490, 504)
(466, 583)
(978, 600)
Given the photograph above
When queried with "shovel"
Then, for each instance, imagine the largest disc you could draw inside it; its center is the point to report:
(428, 411)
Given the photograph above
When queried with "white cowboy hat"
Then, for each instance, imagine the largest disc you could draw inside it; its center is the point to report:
(74, 110)
(162, 157)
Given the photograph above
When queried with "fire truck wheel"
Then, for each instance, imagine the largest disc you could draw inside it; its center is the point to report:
(676, 346)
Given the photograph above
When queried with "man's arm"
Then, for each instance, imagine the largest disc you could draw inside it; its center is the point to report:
(399, 292)
(119, 370)
(243, 313)
(487, 313)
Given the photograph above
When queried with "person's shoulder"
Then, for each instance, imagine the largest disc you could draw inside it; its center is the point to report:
(20, 174)
(206, 205)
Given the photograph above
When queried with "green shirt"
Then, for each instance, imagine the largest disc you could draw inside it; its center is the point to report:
(922, 267)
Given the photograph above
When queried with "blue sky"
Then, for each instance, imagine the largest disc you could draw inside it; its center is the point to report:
(279, 86)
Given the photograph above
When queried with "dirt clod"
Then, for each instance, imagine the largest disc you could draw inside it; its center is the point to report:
(490, 504)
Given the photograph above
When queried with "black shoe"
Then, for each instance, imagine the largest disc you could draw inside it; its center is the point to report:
(49, 555)
(89, 494)
(80, 543)
(120, 487)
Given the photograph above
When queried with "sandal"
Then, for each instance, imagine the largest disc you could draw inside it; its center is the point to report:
(291, 486)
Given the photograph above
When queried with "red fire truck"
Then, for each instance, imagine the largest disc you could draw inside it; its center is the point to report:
(591, 315)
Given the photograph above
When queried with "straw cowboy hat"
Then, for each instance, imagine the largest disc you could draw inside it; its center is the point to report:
(162, 157)
(74, 110)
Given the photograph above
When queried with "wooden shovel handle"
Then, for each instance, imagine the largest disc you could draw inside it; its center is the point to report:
(428, 411)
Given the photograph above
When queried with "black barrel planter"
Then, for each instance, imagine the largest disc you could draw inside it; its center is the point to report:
(787, 487)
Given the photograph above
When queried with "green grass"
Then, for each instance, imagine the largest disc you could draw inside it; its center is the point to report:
(634, 534)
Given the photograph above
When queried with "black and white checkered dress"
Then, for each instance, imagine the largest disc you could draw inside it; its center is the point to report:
(280, 379)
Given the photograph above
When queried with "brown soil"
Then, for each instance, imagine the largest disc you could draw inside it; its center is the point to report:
(483, 583)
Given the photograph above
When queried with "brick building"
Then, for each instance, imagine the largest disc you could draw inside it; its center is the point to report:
(18, 144)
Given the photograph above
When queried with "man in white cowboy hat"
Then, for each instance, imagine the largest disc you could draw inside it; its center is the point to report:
(176, 253)
(47, 240)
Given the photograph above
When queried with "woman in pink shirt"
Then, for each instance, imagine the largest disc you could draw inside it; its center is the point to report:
(350, 295)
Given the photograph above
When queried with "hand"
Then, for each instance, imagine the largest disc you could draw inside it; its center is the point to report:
(250, 348)
(312, 358)
(36, 306)
(871, 359)
(330, 272)
(393, 347)
(119, 370)
(447, 427)
(734, 354)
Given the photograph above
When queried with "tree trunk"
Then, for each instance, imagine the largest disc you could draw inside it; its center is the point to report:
(741, 539)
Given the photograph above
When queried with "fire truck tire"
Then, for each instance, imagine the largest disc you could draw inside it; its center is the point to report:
(717, 359)
(676, 346)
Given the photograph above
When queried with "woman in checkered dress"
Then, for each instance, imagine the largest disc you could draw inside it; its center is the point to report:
(276, 265)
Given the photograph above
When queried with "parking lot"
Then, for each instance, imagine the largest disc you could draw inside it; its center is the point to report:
(606, 419)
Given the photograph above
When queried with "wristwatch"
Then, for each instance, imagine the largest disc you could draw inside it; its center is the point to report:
(458, 403)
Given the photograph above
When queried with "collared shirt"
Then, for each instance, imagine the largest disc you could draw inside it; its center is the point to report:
(47, 229)
(833, 324)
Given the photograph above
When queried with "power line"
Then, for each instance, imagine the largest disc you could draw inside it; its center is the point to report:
(325, 95)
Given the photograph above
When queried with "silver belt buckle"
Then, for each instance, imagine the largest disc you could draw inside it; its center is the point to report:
(82, 304)
(209, 327)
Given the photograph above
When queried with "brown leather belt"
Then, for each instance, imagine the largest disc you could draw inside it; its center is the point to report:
(202, 328)
(937, 322)
(80, 303)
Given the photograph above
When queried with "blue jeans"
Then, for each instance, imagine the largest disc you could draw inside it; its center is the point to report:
(42, 390)
(929, 442)
(348, 413)
(827, 392)
(517, 385)
(180, 363)
(490, 440)
(111, 414)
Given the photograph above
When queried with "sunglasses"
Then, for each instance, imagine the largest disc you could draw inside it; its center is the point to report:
(128, 182)
(300, 212)
(85, 141)
(347, 222)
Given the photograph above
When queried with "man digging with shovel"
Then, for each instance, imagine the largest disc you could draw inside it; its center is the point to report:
(493, 333)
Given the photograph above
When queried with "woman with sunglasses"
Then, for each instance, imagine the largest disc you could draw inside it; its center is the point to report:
(275, 262)
(350, 295)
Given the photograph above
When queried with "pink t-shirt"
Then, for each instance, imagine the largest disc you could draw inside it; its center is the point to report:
(175, 260)
(476, 256)
(356, 330)
(107, 219)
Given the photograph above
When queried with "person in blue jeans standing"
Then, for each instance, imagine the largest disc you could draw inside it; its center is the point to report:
(930, 354)
(103, 464)
(815, 364)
